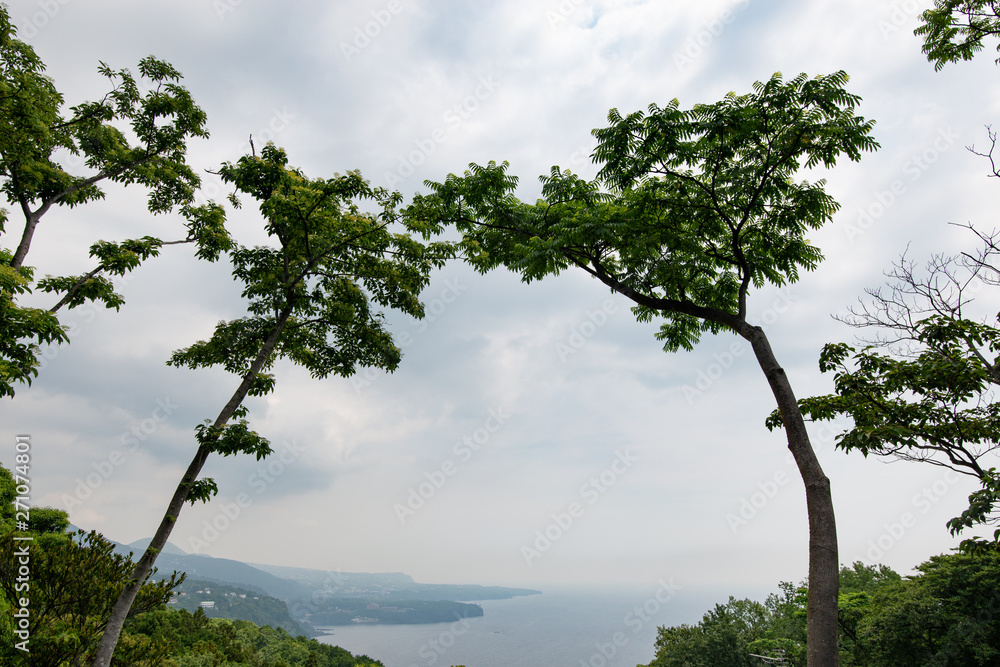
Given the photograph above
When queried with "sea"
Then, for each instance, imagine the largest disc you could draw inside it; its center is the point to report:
(561, 627)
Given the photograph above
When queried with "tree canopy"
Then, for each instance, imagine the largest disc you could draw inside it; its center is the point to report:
(704, 205)
(948, 613)
(312, 299)
(135, 134)
(954, 30)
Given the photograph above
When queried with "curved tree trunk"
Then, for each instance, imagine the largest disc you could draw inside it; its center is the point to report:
(113, 629)
(824, 565)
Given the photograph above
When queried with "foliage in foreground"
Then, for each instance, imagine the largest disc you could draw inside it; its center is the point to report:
(313, 298)
(72, 583)
(955, 30)
(947, 614)
(194, 640)
(134, 134)
(62, 585)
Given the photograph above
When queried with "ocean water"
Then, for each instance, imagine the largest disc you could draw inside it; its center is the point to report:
(562, 627)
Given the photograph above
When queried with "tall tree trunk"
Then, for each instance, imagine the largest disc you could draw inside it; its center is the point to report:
(112, 631)
(824, 565)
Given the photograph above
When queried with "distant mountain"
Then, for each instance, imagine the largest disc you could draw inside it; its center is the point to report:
(305, 592)
(352, 611)
(223, 570)
(395, 585)
(459, 592)
(342, 584)
(170, 548)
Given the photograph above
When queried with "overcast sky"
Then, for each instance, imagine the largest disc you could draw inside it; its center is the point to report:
(518, 410)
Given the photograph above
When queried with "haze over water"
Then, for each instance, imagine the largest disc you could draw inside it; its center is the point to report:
(565, 626)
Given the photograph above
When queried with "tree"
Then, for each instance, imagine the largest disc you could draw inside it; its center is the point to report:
(310, 301)
(703, 208)
(68, 595)
(720, 639)
(195, 639)
(746, 632)
(946, 614)
(955, 29)
(74, 581)
(129, 136)
(922, 388)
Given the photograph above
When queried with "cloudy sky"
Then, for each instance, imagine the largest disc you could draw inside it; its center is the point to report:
(533, 434)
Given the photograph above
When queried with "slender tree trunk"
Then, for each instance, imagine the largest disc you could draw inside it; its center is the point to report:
(824, 565)
(31, 221)
(112, 631)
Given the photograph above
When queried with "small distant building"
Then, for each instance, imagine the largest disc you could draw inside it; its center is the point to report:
(207, 604)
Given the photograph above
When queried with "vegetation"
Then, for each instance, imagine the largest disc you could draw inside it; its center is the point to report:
(692, 211)
(345, 611)
(74, 580)
(923, 390)
(947, 614)
(310, 300)
(955, 29)
(194, 640)
(66, 601)
(36, 140)
(236, 603)
(703, 209)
